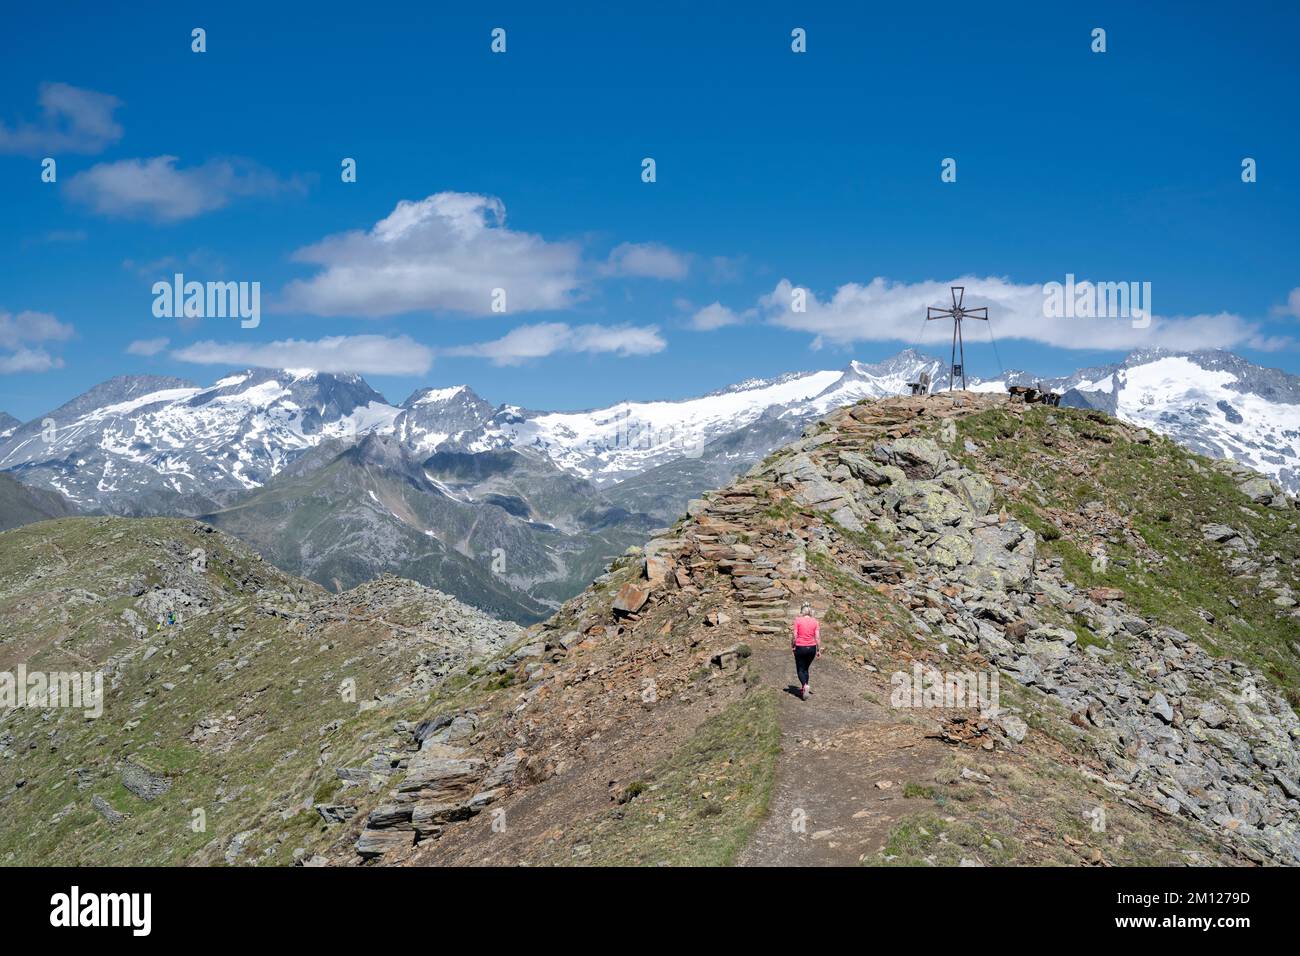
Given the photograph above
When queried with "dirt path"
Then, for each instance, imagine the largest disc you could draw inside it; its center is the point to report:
(827, 808)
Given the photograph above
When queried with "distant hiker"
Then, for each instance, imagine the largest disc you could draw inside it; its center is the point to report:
(807, 646)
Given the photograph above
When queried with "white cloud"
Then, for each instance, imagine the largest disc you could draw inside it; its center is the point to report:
(882, 311)
(31, 327)
(147, 346)
(647, 260)
(72, 120)
(448, 252)
(22, 335)
(157, 189)
(363, 354)
(546, 338)
(29, 360)
(715, 316)
(1292, 307)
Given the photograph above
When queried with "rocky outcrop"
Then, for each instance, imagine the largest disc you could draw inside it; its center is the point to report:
(1256, 487)
(143, 782)
(443, 784)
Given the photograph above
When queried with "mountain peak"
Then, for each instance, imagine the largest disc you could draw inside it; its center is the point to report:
(434, 419)
(435, 395)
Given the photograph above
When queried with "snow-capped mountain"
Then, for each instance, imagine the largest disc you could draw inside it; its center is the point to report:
(147, 444)
(327, 479)
(1213, 402)
(608, 445)
(442, 419)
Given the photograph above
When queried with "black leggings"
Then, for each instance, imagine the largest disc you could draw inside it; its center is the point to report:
(803, 658)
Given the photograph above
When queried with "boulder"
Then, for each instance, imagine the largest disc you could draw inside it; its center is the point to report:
(384, 816)
(1161, 707)
(846, 518)
(918, 457)
(978, 492)
(1218, 533)
(951, 550)
(379, 842)
(1259, 490)
(336, 812)
(143, 782)
(431, 776)
(657, 570)
(1212, 715)
(1002, 556)
(862, 468)
(1012, 726)
(931, 504)
(731, 658)
(630, 599)
(503, 773)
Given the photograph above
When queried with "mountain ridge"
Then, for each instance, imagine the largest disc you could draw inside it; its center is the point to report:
(160, 445)
(605, 444)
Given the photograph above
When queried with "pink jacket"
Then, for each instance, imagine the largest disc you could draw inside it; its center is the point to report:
(807, 632)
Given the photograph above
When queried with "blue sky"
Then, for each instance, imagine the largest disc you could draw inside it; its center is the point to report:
(522, 171)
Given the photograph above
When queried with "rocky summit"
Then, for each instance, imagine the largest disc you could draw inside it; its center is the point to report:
(1050, 637)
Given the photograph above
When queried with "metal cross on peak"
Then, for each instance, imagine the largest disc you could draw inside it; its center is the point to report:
(957, 313)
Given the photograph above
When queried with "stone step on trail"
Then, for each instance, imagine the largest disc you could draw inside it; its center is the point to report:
(766, 614)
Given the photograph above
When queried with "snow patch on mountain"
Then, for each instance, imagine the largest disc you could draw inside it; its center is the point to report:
(1206, 410)
(610, 444)
(433, 396)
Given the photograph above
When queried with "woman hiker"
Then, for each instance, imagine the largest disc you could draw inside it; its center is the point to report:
(806, 643)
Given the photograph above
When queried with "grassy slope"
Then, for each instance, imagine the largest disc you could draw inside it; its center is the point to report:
(21, 504)
(1167, 493)
(274, 686)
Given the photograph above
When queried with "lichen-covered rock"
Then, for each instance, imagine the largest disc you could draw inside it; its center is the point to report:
(143, 782)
